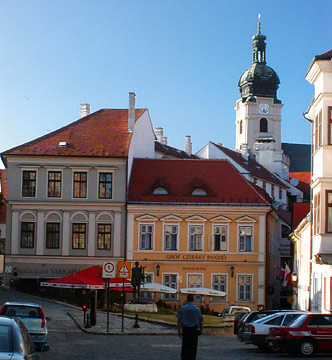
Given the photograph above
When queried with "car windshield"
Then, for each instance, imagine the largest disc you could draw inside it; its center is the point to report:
(5, 339)
(22, 311)
(298, 321)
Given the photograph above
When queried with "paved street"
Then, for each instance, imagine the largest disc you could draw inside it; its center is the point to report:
(68, 342)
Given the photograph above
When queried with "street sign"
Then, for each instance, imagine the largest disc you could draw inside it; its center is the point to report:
(109, 269)
(124, 269)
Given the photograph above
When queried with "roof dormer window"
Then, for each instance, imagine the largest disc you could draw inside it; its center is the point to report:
(160, 191)
(199, 192)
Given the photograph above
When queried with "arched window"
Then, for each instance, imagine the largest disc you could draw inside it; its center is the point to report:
(160, 191)
(240, 126)
(263, 125)
(199, 192)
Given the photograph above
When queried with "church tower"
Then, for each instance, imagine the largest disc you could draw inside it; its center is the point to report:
(258, 112)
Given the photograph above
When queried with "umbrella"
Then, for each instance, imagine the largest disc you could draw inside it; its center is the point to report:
(203, 291)
(155, 287)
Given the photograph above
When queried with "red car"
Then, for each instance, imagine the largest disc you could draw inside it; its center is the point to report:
(307, 334)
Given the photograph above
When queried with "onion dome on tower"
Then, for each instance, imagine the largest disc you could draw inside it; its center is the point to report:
(260, 79)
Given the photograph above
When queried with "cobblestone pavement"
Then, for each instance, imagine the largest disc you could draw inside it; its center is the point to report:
(60, 311)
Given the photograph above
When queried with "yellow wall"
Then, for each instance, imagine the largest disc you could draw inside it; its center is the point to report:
(208, 261)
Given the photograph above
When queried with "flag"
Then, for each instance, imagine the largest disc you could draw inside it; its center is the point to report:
(287, 276)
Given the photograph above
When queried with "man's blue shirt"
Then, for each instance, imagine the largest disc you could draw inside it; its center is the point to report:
(190, 315)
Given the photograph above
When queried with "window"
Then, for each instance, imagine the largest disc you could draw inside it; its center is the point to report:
(219, 282)
(160, 191)
(329, 212)
(317, 214)
(195, 281)
(318, 131)
(105, 186)
(272, 191)
(52, 235)
(280, 193)
(263, 125)
(245, 238)
(171, 281)
(145, 294)
(220, 237)
(264, 185)
(285, 231)
(199, 192)
(80, 184)
(27, 235)
(195, 240)
(276, 321)
(29, 184)
(320, 320)
(79, 235)
(240, 126)
(146, 233)
(330, 125)
(54, 184)
(244, 287)
(104, 236)
(170, 237)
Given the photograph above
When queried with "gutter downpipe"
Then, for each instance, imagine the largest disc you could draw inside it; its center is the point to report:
(304, 115)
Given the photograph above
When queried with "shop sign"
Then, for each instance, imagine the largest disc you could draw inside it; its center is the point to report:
(200, 257)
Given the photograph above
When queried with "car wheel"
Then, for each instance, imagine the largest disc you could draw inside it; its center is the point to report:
(306, 347)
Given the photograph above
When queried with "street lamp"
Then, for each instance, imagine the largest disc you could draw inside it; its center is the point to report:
(158, 269)
(232, 270)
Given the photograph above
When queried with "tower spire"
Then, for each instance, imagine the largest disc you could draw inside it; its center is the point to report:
(259, 23)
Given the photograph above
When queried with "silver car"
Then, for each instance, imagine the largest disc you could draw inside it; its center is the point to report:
(33, 317)
(15, 341)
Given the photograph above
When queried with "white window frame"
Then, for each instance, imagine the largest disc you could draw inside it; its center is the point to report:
(198, 297)
(238, 284)
(105, 171)
(176, 296)
(54, 170)
(214, 224)
(80, 170)
(147, 295)
(189, 234)
(140, 224)
(252, 237)
(219, 299)
(30, 168)
(164, 236)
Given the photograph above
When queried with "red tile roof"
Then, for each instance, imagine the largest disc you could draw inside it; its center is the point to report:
(300, 210)
(101, 134)
(252, 166)
(219, 178)
(304, 182)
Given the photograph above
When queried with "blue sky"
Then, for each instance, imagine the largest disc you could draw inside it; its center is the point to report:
(183, 59)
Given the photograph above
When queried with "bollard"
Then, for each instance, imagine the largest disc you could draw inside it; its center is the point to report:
(87, 325)
(136, 325)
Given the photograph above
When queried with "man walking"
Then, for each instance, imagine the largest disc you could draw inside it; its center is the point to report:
(189, 318)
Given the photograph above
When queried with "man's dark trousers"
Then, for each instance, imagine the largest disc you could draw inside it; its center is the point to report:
(189, 343)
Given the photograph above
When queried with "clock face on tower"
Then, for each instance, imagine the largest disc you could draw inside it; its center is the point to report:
(263, 108)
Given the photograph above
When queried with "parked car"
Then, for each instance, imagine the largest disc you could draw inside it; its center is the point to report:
(231, 310)
(32, 315)
(253, 316)
(15, 341)
(308, 334)
(237, 320)
(256, 333)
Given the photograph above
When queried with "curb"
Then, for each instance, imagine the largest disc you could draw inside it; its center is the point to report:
(115, 333)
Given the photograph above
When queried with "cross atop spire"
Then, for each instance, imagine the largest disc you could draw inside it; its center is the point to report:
(259, 23)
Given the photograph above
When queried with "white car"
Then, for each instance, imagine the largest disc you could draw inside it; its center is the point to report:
(257, 332)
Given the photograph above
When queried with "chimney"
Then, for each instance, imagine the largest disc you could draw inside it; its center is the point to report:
(131, 111)
(160, 134)
(188, 145)
(165, 140)
(85, 110)
(244, 151)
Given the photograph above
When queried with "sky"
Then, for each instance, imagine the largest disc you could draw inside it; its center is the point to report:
(183, 59)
